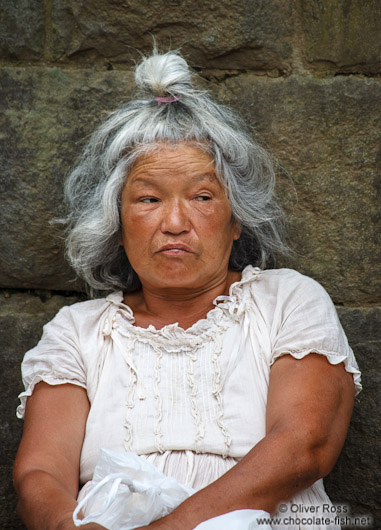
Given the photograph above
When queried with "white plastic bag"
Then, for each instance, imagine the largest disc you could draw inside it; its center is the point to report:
(127, 492)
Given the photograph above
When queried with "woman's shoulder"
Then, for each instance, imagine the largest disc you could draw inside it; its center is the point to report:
(279, 281)
(282, 292)
(88, 311)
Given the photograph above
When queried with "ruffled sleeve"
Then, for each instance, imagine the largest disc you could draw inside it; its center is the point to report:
(306, 322)
(55, 360)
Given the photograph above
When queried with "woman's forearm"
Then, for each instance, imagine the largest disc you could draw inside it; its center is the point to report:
(272, 472)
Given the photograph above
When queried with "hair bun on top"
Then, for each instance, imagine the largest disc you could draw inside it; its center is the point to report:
(164, 75)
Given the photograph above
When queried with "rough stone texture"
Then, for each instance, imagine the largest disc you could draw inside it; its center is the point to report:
(44, 115)
(354, 476)
(231, 34)
(343, 35)
(22, 31)
(21, 319)
(326, 135)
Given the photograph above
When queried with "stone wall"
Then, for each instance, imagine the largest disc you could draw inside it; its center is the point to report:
(305, 73)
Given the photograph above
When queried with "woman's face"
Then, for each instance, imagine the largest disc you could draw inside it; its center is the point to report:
(177, 227)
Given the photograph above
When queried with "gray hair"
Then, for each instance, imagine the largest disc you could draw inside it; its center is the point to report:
(93, 189)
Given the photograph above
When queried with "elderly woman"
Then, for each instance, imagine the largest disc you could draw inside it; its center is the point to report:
(233, 379)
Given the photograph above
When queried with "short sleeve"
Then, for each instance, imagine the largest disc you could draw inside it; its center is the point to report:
(307, 322)
(55, 360)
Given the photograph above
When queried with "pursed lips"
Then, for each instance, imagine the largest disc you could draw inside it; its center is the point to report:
(175, 248)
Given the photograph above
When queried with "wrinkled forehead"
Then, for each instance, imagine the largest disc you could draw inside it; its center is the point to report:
(193, 160)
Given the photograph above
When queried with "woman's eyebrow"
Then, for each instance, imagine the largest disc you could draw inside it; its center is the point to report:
(144, 181)
(204, 176)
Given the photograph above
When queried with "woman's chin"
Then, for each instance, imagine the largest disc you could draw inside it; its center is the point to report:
(173, 281)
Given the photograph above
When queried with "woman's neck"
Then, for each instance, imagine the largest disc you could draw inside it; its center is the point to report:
(162, 308)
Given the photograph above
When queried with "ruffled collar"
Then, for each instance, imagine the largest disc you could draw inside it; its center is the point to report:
(227, 308)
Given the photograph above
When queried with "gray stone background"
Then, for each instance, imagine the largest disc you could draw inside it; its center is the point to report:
(305, 74)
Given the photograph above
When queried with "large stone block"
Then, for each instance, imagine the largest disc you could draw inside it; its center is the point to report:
(343, 35)
(44, 116)
(228, 34)
(22, 31)
(21, 319)
(326, 136)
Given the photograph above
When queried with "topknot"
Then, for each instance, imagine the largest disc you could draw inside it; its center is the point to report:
(163, 75)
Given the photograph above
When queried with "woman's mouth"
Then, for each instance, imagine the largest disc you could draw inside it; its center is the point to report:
(175, 249)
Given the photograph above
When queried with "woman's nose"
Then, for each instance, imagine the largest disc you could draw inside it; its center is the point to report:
(175, 218)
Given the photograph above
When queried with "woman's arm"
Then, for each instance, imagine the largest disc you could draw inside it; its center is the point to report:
(46, 472)
(308, 411)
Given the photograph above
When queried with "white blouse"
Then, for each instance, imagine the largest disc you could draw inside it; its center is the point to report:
(191, 401)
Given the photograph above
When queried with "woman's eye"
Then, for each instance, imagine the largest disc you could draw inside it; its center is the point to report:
(203, 198)
(148, 200)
